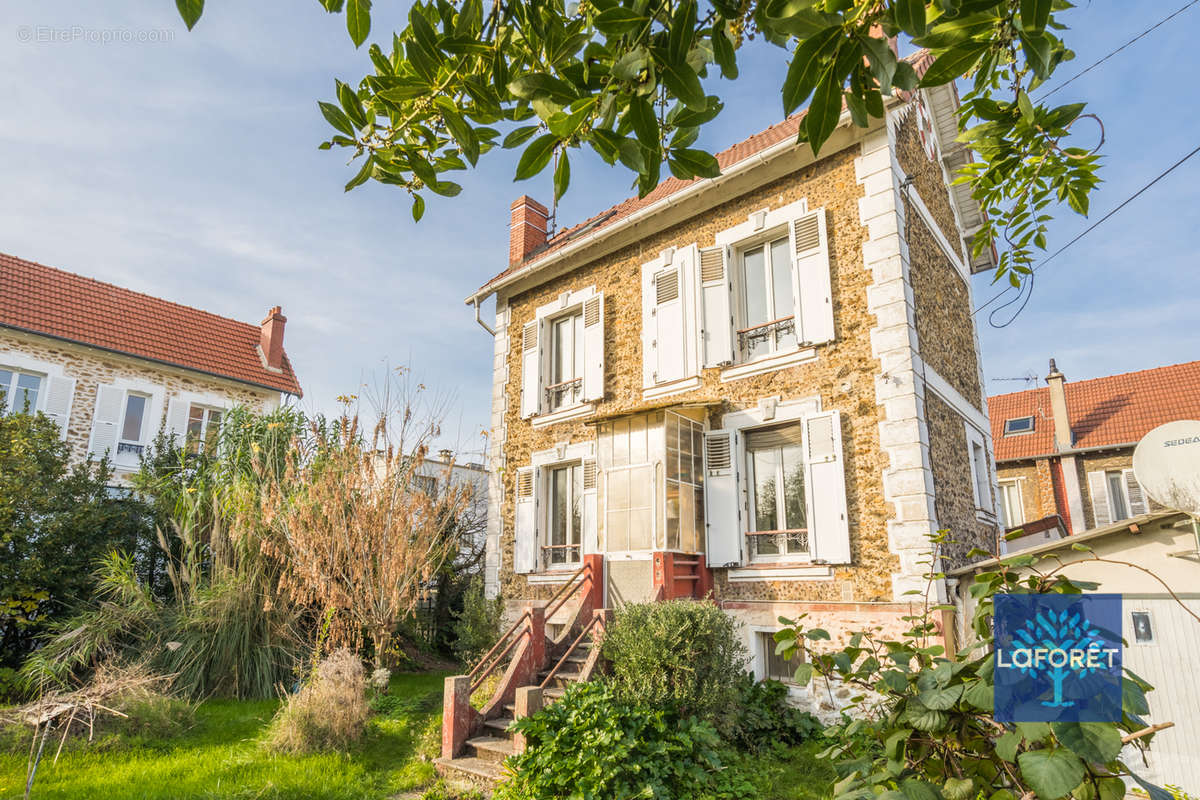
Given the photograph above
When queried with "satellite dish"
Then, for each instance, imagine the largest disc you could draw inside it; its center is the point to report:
(1166, 462)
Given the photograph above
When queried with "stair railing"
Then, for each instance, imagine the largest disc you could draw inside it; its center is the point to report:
(571, 649)
(487, 665)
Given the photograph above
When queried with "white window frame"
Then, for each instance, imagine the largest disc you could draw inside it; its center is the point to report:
(19, 362)
(759, 663)
(752, 515)
(205, 423)
(128, 459)
(977, 443)
(1016, 484)
(542, 463)
(567, 304)
(147, 410)
(575, 316)
(546, 557)
(1032, 425)
(740, 296)
(1123, 475)
(10, 397)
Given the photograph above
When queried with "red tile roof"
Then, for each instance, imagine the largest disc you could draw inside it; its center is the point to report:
(48, 301)
(1115, 410)
(729, 156)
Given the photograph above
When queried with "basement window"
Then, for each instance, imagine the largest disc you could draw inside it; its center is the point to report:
(1018, 425)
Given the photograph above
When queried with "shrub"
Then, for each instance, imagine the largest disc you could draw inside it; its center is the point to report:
(477, 627)
(764, 717)
(590, 744)
(681, 656)
(328, 713)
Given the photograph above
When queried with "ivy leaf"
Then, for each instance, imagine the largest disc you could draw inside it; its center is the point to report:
(910, 16)
(536, 156)
(337, 118)
(1098, 742)
(1052, 773)
(923, 718)
(358, 20)
(956, 61)
(190, 10)
(980, 694)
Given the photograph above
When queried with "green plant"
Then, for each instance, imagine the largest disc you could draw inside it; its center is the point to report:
(681, 656)
(328, 713)
(590, 744)
(764, 718)
(932, 732)
(477, 626)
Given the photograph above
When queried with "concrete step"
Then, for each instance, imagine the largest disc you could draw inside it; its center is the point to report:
(473, 772)
(499, 726)
(490, 748)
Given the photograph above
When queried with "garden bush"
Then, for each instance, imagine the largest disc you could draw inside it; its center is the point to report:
(682, 656)
(328, 713)
(591, 744)
(477, 627)
(765, 718)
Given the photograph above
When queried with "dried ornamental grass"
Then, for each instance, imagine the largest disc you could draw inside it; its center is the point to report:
(328, 713)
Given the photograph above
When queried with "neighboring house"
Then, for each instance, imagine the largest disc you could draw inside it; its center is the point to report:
(1064, 452)
(1161, 633)
(114, 367)
(767, 383)
(436, 474)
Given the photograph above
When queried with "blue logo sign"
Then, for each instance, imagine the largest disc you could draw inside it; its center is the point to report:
(1058, 657)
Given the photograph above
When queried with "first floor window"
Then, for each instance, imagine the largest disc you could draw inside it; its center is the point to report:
(566, 518)
(1014, 509)
(19, 391)
(426, 484)
(133, 422)
(204, 425)
(566, 363)
(768, 312)
(775, 666)
(1116, 495)
(685, 490)
(779, 513)
(979, 473)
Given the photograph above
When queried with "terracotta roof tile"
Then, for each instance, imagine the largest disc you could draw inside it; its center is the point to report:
(49, 301)
(1114, 410)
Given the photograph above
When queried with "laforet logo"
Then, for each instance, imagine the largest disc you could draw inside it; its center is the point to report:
(1058, 657)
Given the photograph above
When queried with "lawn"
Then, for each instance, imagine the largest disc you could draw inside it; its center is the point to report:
(219, 757)
(792, 773)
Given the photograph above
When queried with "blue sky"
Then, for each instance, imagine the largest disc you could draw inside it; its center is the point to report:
(187, 168)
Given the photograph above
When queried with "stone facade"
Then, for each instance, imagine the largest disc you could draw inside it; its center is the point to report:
(955, 499)
(1037, 487)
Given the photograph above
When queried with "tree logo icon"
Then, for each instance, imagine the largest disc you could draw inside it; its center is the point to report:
(1060, 636)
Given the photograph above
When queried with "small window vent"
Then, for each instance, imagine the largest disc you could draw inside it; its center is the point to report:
(529, 336)
(591, 312)
(525, 484)
(717, 451)
(666, 286)
(589, 474)
(712, 265)
(808, 234)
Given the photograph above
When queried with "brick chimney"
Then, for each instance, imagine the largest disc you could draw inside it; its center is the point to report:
(1063, 438)
(527, 231)
(271, 341)
(876, 32)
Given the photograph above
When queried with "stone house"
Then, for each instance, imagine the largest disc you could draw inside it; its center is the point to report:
(114, 367)
(765, 385)
(1064, 451)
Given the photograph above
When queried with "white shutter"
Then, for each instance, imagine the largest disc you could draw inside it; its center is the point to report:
(593, 347)
(1137, 498)
(716, 318)
(665, 353)
(525, 527)
(531, 362)
(591, 541)
(825, 469)
(812, 291)
(177, 420)
(1098, 486)
(110, 402)
(722, 503)
(60, 392)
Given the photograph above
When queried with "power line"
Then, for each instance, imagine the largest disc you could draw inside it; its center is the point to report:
(1085, 232)
(1152, 28)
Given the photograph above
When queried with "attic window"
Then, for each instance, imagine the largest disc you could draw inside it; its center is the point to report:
(1018, 425)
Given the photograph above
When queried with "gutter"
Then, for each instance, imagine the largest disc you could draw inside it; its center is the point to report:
(1071, 452)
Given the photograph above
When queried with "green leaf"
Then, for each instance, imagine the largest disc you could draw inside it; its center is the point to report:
(723, 53)
(824, 110)
(1006, 746)
(1133, 698)
(445, 188)
(941, 699)
(1098, 742)
(805, 69)
(958, 788)
(1034, 15)
(923, 718)
(905, 78)
(915, 789)
(418, 207)
(1036, 48)
(630, 66)
(645, 126)
(684, 83)
(536, 156)
(562, 174)
(694, 162)
(190, 10)
(351, 105)
(858, 109)
(910, 16)
(618, 19)
(1052, 773)
(363, 174)
(953, 63)
(358, 20)
(462, 132)
(533, 85)
(518, 136)
(337, 118)
(1111, 788)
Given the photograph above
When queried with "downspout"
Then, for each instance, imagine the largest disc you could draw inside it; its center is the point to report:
(479, 319)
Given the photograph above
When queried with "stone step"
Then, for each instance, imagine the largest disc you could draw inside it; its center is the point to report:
(471, 771)
(490, 748)
(499, 725)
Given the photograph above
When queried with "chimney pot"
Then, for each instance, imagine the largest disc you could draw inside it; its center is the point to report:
(527, 229)
(271, 338)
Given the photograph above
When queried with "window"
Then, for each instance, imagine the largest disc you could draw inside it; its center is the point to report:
(774, 666)
(685, 480)
(779, 515)
(426, 484)
(981, 483)
(133, 423)
(767, 313)
(1116, 495)
(566, 517)
(1018, 425)
(1143, 631)
(203, 427)
(566, 361)
(19, 391)
(1014, 508)
(623, 447)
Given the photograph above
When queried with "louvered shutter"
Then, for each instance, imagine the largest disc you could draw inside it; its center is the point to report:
(177, 420)
(531, 362)
(525, 527)
(722, 503)
(825, 470)
(1098, 486)
(1137, 498)
(593, 347)
(663, 344)
(716, 318)
(812, 292)
(110, 400)
(591, 543)
(60, 392)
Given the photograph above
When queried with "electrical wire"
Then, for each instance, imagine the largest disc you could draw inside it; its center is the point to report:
(1151, 29)
(1059, 251)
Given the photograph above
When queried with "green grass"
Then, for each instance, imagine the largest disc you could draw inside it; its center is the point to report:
(792, 773)
(220, 757)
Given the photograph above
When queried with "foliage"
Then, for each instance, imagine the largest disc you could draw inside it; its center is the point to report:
(681, 656)
(478, 624)
(789, 773)
(765, 718)
(591, 744)
(56, 519)
(624, 79)
(328, 713)
(934, 734)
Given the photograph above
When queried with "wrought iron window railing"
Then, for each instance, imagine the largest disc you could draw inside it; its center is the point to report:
(563, 394)
(766, 332)
(777, 544)
(126, 447)
(555, 555)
